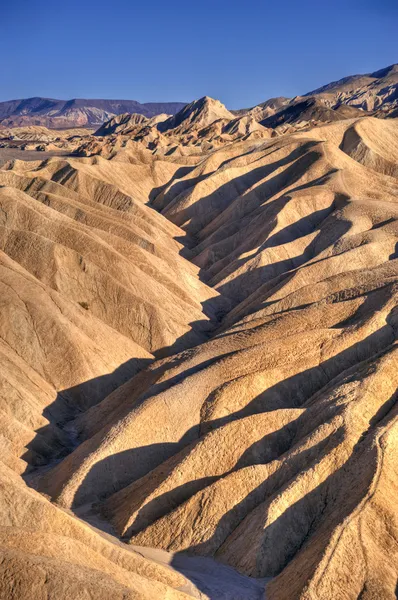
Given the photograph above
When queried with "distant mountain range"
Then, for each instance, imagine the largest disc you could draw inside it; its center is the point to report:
(58, 114)
(375, 92)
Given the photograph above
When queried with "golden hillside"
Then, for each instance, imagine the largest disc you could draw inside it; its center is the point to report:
(199, 367)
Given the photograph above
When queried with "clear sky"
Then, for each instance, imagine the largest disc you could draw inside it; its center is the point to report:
(178, 50)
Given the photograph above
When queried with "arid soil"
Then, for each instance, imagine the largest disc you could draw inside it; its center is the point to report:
(199, 362)
(7, 154)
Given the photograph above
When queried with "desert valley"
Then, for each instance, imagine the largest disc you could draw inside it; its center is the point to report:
(199, 356)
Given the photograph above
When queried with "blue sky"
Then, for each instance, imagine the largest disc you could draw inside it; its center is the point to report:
(241, 53)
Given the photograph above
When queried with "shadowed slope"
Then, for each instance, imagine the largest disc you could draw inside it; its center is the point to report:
(269, 444)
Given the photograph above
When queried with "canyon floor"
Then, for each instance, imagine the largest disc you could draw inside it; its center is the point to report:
(198, 342)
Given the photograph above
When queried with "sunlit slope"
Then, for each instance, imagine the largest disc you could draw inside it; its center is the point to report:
(264, 445)
(265, 432)
(102, 248)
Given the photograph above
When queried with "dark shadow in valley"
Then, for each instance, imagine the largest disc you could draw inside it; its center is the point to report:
(55, 440)
(123, 468)
(395, 253)
(217, 260)
(59, 437)
(207, 210)
(242, 286)
(176, 186)
(294, 392)
(304, 529)
(209, 207)
(266, 281)
(270, 447)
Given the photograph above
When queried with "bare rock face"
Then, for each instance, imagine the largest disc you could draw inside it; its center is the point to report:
(243, 126)
(309, 111)
(199, 361)
(121, 124)
(373, 91)
(199, 114)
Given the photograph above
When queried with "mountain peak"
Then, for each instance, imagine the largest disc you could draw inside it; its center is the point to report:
(198, 113)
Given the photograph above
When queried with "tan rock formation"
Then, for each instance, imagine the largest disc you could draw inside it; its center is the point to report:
(262, 272)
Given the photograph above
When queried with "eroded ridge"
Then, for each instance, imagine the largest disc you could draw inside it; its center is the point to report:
(263, 276)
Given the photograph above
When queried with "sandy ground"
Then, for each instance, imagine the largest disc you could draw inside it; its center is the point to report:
(12, 153)
(208, 576)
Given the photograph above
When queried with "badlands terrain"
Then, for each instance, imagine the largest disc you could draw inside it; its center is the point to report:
(199, 353)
